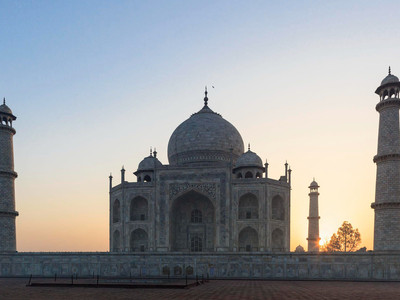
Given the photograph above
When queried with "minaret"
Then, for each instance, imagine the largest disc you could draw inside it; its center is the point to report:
(122, 174)
(7, 177)
(387, 191)
(313, 219)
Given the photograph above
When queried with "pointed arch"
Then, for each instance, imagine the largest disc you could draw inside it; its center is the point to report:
(278, 208)
(248, 175)
(391, 92)
(177, 270)
(248, 206)
(192, 223)
(194, 191)
(277, 240)
(139, 240)
(248, 239)
(116, 212)
(139, 209)
(385, 93)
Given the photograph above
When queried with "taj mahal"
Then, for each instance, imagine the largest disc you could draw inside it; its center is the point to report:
(213, 209)
(212, 196)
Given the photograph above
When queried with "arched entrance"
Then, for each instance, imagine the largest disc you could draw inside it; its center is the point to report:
(116, 211)
(248, 239)
(139, 209)
(277, 240)
(192, 223)
(139, 240)
(278, 210)
(248, 207)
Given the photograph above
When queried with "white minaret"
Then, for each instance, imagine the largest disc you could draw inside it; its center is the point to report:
(387, 192)
(313, 219)
(7, 177)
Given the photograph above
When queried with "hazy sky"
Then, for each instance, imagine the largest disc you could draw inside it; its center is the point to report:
(94, 84)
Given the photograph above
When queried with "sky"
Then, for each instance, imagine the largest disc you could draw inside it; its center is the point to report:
(94, 84)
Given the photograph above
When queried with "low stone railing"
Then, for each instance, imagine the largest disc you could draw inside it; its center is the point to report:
(283, 266)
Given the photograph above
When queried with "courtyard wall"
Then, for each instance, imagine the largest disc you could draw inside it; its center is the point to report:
(280, 266)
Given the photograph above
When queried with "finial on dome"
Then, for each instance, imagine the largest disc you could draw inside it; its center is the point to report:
(248, 148)
(205, 97)
(4, 100)
(390, 73)
(151, 151)
(155, 152)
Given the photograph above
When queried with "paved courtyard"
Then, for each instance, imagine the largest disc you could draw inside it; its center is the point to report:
(218, 289)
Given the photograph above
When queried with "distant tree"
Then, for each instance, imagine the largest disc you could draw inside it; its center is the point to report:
(346, 239)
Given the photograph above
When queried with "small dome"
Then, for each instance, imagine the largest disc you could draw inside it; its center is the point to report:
(5, 109)
(390, 79)
(149, 163)
(249, 159)
(314, 184)
(299, 249)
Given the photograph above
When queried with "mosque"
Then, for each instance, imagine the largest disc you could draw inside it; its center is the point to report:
(212, 196)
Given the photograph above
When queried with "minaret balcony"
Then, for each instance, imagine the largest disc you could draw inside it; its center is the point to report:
(8, 173)
(384, 205)
(7, 127)
(392, 156)
(387, 103)
(9, 213)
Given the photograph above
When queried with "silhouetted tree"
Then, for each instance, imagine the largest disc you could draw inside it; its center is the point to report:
(346, 239)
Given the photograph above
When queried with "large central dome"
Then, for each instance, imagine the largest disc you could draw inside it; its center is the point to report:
(205, 137)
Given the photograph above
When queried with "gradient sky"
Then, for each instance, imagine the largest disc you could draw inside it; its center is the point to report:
(94, 84)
